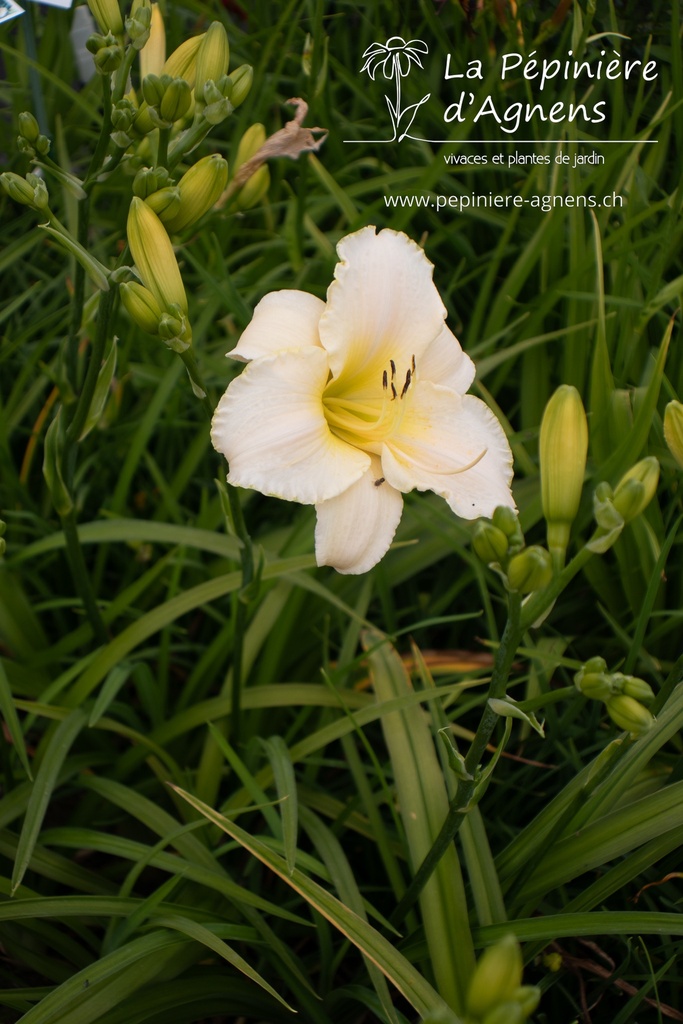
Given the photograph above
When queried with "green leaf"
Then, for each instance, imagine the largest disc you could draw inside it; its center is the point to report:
(400, 972)
(9, 713)
(285, 783)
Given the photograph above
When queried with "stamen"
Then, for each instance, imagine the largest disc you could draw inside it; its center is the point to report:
(384, 380)
(413, 363)
(392, 364)
(379, 482)
(407, 383)
(394, 393)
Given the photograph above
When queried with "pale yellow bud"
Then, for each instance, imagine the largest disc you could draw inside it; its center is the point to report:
(673, 430)
(563, 446)
(183, 61)
(496, 978)
(213, 58)
(629, 714)
(154, 257)
(107, 15)
(141, 306)
(199, 188)
(153, 54)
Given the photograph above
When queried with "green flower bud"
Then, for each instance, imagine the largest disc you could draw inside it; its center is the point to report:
(17, 188)
(174, 330)
(199, 189)
(107, 53)
(139, 23)
(168, 99)
(154, 257)
(242, 77)
(530, 570)
(107, 15)
(594, 685)
(506, 520)
(254, 189)
(497, 976)
(122, 115)
(165, 202)
(490, 543)
(505, 1013)
(636, 489)
(563, 446)
(629, 714)
(633, 687)
(141, 306)
(216, 97)
(673, 430)
(213, 57)
(149, 180)
(28, 126)
(528, 997)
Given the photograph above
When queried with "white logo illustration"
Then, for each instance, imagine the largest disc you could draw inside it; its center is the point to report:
(395, 58)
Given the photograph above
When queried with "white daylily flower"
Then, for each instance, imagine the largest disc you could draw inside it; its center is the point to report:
(348, 403)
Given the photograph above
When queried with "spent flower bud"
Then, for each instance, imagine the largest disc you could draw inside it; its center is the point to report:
(497, 976)
(636, 489)
(154, 257)
(563, 446)
(673, 430)
(629, 714)
(199, 188)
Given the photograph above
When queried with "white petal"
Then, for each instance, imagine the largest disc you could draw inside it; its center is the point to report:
(282, 320)
(441, 435)
(270, 426)
(382, 305)
(355, 529)
(445, 363)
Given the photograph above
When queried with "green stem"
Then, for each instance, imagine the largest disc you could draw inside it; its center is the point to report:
(186, 142)
(81, 577)
(162, 147)
(121, 80)
(78, 297)
(459, 805)
(105, 133)
(85, 398)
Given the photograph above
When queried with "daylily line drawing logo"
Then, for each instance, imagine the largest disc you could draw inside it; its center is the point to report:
(395, 58)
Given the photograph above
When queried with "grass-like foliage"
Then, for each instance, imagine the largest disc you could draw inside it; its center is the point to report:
(234, 786)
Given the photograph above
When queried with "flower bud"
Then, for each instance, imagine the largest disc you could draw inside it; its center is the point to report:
(28, 126)
(175, 330)
(139, 23)
(528, 997)
(254, 189)
(149, 180)
(183, 61)
(165, 202)
(594, 685)
(168, 99)
(490, 543)
(673, 430)
(242, 77)
(213, 57)
(505, 1013)
(563, 446)
(216, 100)
(636, 489)
(107, 52)
(633, 687)
(496, 977)
(154, 257)
(628, 714)
(141, 306)
(153, 53)
(17, 188)
(199, 189)
(530, 570)
(107, 15)
(506, 519)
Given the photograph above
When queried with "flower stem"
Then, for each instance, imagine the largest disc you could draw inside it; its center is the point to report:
(459, 805)
(81, 577)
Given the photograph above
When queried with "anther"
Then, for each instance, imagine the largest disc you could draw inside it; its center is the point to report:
(385, 380)
(394, 393)
(407, 383)
(413, 363)
(392, 364)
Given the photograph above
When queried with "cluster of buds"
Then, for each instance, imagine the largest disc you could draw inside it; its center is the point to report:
(30, 141)
(496, 994)
(158, 304)
(168, 99)
(563, 447)
(29, 191)
(107, 52)
(624, 696)
(613, 508)
(500, 543)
